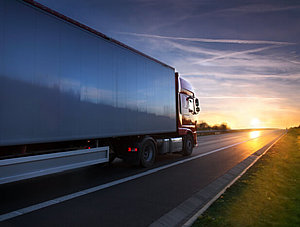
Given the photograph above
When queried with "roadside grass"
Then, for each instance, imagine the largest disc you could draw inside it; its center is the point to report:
(267, 195)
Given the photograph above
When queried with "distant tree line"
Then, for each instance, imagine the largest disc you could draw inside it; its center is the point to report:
(296, 127)
(204, 126)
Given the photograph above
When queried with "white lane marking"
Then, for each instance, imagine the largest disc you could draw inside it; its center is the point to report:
(61, 199)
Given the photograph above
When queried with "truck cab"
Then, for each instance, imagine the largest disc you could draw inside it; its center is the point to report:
(142, 150)
(188, 108)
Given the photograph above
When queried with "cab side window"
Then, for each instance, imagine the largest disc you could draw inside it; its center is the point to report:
(187, 104)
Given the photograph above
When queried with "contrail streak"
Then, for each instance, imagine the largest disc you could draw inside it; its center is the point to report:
(238, 41)
(238, 53)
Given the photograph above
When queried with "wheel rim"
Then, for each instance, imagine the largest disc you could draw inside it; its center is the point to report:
(148, 153)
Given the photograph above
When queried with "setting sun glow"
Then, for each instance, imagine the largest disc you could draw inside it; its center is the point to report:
(255, 123)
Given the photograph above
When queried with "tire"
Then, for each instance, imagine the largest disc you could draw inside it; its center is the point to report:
(188, 145)
(112, 157)
(147, 153)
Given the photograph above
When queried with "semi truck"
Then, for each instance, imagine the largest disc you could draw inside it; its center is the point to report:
(71, 97)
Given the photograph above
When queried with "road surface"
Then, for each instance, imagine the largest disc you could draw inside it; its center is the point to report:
(122, 195)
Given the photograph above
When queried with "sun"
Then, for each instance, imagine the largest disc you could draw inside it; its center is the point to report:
(255, 123)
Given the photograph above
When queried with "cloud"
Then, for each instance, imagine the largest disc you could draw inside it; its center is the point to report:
(217, 54)
(244, 9)
(240, 76)
(260, 8)
(241, 97)
(193, 49)
(244, 74)
(253, 63)
(237, 53)
(205, 40)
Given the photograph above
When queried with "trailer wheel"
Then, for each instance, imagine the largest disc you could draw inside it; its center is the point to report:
(147, 153)
(112, 157)
(188, 145)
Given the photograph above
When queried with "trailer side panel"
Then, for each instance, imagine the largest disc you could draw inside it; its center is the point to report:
(60, 82)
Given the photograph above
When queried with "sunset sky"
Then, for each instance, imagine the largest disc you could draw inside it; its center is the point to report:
(243, 57)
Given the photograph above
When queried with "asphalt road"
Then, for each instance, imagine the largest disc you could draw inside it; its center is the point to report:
(137, 202)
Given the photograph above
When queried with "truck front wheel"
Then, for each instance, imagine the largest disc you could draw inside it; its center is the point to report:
(147, 153)
(188, 145)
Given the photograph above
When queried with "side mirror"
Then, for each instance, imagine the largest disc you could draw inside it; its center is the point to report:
(197, 102)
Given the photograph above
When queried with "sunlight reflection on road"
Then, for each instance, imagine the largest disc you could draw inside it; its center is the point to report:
(254, 134)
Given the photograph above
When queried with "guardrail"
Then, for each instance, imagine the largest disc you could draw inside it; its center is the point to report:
(203, 131)
(211, 132)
